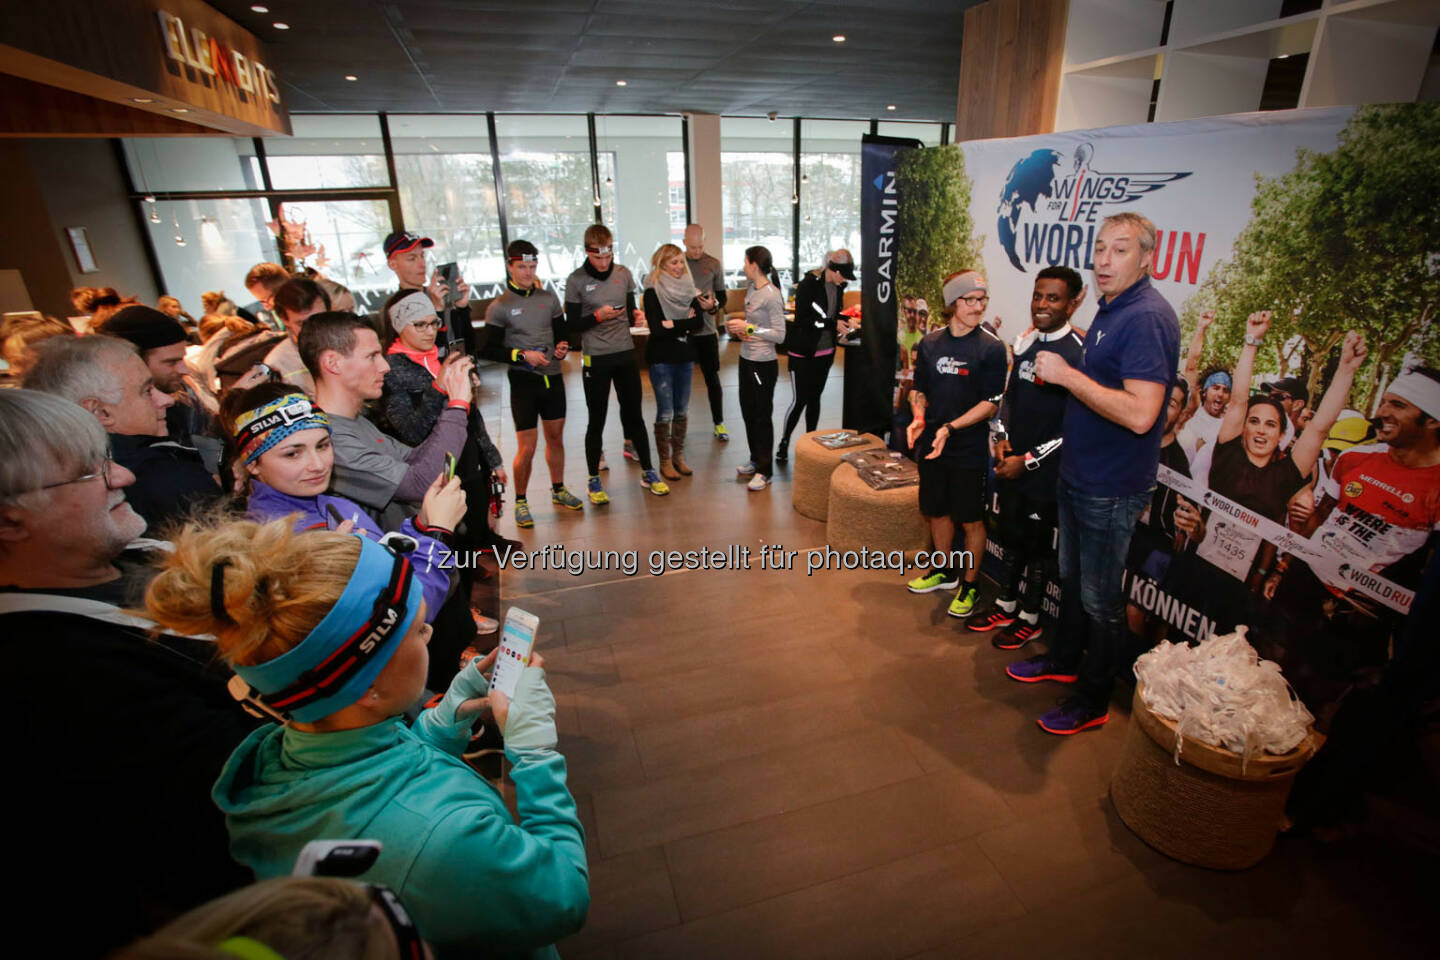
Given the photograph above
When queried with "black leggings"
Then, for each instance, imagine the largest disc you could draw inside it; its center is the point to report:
(596, 376)
(807, 382)
(757, 409)
(1027, 532)
(707, 358)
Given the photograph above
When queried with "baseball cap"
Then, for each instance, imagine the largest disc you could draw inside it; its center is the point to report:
(1290, 386)
(403, 240)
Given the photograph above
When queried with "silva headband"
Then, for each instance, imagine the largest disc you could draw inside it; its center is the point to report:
(1420, 390)
(407, 935)
(409, 309)
(338, 660)
(604, 251)
(256, 431)
(961, 284)
(1218, 377)
(524, 258)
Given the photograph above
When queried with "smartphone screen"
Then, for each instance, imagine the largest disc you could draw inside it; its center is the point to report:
(450, 276)
(517, 640)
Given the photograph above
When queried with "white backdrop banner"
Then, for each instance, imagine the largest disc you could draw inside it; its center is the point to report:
(1040, 200)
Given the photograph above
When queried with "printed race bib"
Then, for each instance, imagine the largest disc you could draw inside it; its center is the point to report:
(1229, 546)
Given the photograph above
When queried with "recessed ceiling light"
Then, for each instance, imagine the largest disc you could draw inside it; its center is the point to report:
(259, 9)
(351, 76)
(890, 106)
(281, 26)
(179, 109)
(1283, 56)
(838, 38)
(142, 99)
(620, 83)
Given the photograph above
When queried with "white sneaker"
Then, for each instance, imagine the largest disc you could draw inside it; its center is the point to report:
(758, 482)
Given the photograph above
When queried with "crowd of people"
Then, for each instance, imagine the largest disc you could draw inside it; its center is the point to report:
(255, 506)
(301, 469)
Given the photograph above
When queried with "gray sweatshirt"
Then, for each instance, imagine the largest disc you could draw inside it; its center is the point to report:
(765, 311)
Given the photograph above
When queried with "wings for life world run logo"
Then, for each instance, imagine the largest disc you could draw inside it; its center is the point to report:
(1047, 217)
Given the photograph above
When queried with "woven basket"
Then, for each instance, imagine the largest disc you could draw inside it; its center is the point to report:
(865, 518)
(813, 466)
(1204, 810)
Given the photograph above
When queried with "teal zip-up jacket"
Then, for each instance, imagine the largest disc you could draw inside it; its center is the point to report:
(476, 883)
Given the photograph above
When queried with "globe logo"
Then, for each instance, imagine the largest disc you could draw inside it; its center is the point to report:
(1029, 180)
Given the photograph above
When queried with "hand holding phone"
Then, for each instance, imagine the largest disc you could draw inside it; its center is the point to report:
(517, 643)
(450, 464)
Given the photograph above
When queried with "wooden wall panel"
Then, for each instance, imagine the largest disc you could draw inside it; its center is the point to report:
(1010, 64)
(29, 109)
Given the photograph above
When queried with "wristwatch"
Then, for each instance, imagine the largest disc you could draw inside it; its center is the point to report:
(1030, 462)
(1252, 341)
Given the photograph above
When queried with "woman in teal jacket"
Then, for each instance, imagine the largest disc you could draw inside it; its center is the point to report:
(328, 631)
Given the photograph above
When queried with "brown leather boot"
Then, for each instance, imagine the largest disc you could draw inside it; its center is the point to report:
(678, 426)
(662, 451)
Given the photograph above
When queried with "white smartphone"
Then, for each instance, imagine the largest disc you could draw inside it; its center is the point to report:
(517, 641)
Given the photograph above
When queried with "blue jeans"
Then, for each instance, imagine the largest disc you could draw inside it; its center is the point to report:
(671, 383)
(1094, 541)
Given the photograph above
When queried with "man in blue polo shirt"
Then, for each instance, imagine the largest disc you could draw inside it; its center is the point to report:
(1113, 423)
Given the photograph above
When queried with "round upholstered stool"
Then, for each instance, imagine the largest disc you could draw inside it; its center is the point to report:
(861, 517)
(1210, 809)
(813, 466)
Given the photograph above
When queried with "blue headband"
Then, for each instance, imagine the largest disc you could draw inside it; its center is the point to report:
(1219, 376)
(256, 431)
(365, 626)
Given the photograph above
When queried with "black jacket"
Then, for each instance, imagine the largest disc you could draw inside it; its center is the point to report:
(170, 479)
(669, 344)
(114, 743)
(410, 405)
(812, 315)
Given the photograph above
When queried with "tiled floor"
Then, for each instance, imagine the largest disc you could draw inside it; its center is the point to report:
(771, 764)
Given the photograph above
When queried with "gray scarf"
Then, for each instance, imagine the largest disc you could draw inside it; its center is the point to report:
(675, 293)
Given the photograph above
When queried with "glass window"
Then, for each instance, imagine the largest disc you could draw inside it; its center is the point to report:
(549, 194)
(446, 180)
(222, 240)
(340, 150)
(757, 171)
(926, 133)
(830, 189)
(342, 239)
(172, 164)
(645, 205)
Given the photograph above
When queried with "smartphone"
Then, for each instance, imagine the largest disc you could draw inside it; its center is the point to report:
(517, 641)
(450, 276)
(449, 465)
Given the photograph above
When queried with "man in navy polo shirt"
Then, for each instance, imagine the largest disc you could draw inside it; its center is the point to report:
(1113, 424)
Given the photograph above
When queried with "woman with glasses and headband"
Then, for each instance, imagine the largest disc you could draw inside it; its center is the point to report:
(327, 631)
(599, 302)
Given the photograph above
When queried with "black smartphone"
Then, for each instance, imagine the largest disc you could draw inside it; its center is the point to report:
(334, 514)
(450, 276)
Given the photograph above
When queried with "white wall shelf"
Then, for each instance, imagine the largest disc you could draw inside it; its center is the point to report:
(1217, 54)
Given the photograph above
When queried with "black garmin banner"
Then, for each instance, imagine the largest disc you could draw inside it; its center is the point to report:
(870, 366)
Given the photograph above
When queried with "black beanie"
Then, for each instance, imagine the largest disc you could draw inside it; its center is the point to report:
(146, 327)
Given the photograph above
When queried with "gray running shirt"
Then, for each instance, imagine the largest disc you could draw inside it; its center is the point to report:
(709, 278)
(612, 336)
(528, 323)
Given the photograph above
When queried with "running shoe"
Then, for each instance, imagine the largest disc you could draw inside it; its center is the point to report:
(746, 469)
(964, 603)
(758, 482)
(596, 490)
(1016, 635)
(651, 481)
(932, 582)
(603, 465)
(721, 433)
(565, 498)
(782, 453)
(1039, 667)
(1072, 716)
(522, 515)
(992, 619)
(629, 451)
(484, 626)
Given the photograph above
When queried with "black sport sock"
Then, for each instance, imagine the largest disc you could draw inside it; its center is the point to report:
(520, 498)
(557, 487)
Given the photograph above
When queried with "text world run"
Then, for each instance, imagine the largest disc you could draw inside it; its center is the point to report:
(1071, 245)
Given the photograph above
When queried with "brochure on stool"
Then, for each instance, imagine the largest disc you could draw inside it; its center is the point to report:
(840, 439)
(883, 469)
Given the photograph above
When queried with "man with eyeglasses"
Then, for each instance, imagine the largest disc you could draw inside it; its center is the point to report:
(959, 382)
(263, 280)
(103, 720)
(1294, 396)
(106, 376)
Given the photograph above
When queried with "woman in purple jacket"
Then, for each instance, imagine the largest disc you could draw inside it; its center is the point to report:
(283, 441)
